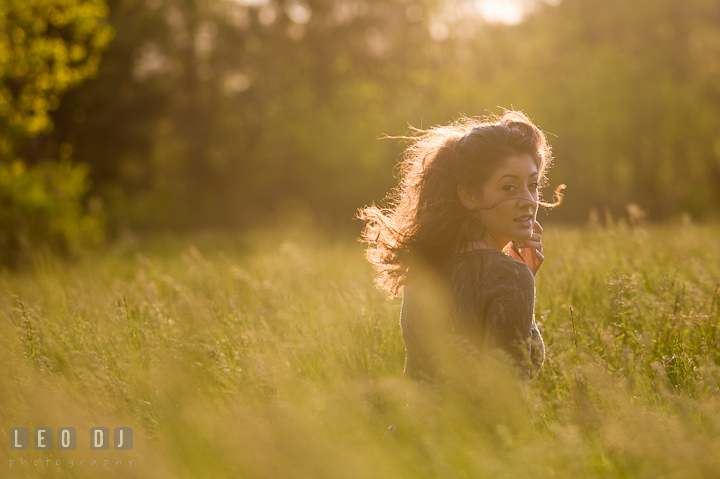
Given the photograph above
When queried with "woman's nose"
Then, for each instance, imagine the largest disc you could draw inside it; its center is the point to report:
(527, 198)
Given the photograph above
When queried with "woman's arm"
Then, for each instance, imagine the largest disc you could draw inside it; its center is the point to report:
(509, 317)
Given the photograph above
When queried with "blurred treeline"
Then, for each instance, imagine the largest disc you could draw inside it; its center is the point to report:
(223, 113)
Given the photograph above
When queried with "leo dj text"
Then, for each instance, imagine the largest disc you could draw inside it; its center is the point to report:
(43, 439)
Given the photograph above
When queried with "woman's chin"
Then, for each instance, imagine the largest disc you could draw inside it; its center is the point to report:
(524, 236)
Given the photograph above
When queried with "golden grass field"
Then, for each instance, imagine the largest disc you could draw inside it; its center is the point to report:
(272, 355)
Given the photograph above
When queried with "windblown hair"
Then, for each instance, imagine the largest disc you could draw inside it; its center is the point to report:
(426, 221)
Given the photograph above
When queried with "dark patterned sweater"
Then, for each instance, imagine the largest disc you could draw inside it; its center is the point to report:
(483, 301)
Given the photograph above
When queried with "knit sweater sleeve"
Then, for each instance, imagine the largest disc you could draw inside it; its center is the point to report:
(509, 317)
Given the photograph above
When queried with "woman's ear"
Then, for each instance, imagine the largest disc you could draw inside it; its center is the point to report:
(466, 198)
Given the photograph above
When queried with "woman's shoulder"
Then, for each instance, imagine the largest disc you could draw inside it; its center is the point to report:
(497, 267)
(489, 257)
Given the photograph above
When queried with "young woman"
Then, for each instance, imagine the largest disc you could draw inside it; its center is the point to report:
(462, 243)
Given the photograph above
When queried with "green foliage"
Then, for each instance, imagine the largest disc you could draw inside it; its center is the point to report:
(41, 206)
(272, 355)
(46, 48)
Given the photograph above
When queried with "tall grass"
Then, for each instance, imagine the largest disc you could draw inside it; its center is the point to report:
(271, 355)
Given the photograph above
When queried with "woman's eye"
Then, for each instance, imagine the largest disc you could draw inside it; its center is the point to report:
(533, 186)
(509, 188)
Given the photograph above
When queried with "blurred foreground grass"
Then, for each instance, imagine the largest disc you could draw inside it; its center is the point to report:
(272, 356)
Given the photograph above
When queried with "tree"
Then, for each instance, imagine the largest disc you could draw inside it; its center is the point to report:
(46, 48)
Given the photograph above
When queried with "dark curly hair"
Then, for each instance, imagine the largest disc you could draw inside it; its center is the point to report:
(426, 221)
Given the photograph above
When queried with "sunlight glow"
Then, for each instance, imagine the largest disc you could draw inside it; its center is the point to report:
(510, 12)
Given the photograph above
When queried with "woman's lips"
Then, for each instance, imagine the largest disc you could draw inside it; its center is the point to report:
(525, 220)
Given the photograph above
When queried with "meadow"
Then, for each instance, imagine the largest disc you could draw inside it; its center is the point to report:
(272, 355)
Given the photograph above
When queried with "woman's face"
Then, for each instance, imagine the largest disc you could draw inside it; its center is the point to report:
(509, 201)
